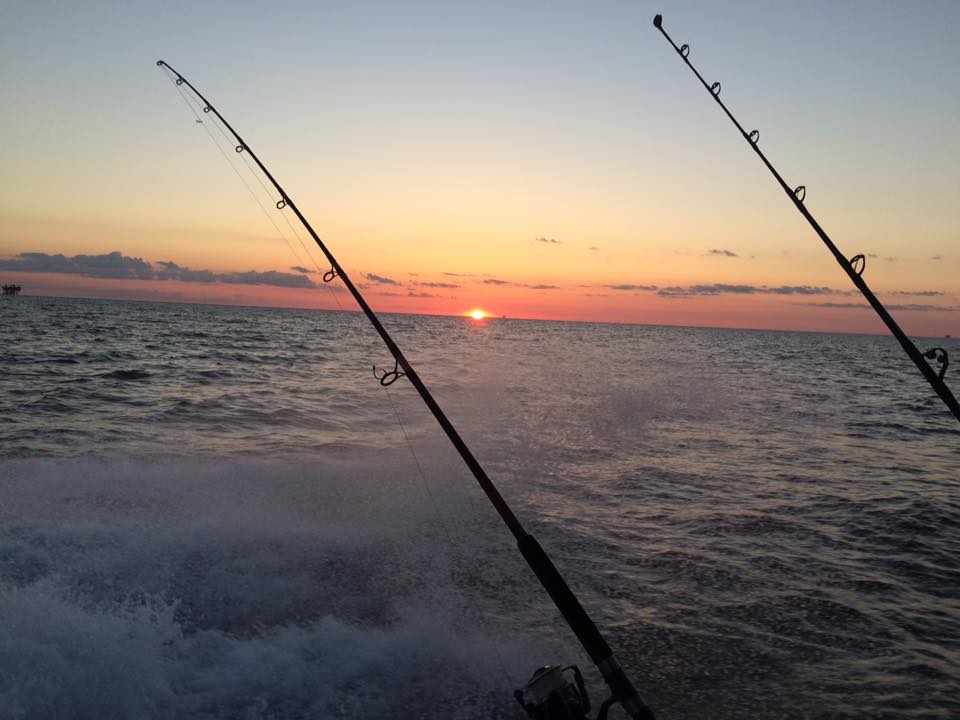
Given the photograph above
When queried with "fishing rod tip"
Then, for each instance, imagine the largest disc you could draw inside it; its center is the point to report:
(658, 21)
(160, 63)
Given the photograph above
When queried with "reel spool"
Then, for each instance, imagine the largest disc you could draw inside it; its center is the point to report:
(551, 695)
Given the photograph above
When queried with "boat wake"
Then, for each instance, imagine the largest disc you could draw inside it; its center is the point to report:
(242, 590)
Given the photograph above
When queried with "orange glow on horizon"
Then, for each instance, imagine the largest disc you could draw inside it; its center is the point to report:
(477, 314)
(733, 311)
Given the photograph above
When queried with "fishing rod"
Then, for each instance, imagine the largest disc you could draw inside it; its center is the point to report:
(854, 266)
(548, 695)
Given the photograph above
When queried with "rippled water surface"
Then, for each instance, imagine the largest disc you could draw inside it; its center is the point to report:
(218, 512)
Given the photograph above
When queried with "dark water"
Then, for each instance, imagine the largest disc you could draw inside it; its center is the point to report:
(215, 512)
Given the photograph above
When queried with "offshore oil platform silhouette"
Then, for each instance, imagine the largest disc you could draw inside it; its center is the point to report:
(11, 290)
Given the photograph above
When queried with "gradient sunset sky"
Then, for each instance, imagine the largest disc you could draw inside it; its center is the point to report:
(540, 160)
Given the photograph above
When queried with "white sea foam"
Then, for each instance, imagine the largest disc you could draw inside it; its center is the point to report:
(252, 589)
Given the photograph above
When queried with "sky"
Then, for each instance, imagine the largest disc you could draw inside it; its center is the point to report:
(540, 160)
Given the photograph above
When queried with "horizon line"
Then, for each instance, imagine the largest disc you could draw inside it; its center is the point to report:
(464, 316)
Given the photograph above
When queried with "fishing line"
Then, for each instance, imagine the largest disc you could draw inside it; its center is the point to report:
(257, 176)
(622, 690)
(230, 162)
(329, 287)
(501, 663)
(274, 202)
(438, 514)
(192, 105)
(854, 266)
(425, 485)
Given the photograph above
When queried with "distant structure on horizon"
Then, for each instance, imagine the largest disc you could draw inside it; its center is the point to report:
(11, 290)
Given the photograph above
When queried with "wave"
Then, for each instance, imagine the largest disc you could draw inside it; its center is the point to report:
(127, 375)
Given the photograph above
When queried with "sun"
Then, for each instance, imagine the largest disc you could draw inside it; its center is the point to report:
(477, 314)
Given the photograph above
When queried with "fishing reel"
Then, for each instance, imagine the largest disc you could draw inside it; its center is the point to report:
(552, 695)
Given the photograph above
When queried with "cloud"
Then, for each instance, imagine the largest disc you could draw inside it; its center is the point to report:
(627, 287)
(117, 266)
(915, 307)
(858, 306)
(452, 274)
(270, 277)
(438, 284)
(39, 262)
(911, 307)
(722, 253)
(302, 269)
(411, 293)
(169, 270)
(537, 286)
(872, 255)
(593, 247)
(550, 241)
(381, 280)
(112, 265)
(919, 293)
(937, 257)
(801, 290)
(721, 289)
(726, 289)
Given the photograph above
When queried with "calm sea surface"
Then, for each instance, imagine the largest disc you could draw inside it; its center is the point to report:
(217, 512)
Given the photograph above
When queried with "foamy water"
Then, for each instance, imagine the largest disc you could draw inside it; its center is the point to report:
(215, 512)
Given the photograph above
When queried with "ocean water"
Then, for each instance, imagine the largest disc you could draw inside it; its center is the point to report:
(217, 512)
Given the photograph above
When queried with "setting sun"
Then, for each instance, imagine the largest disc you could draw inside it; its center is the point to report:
(477, 314)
